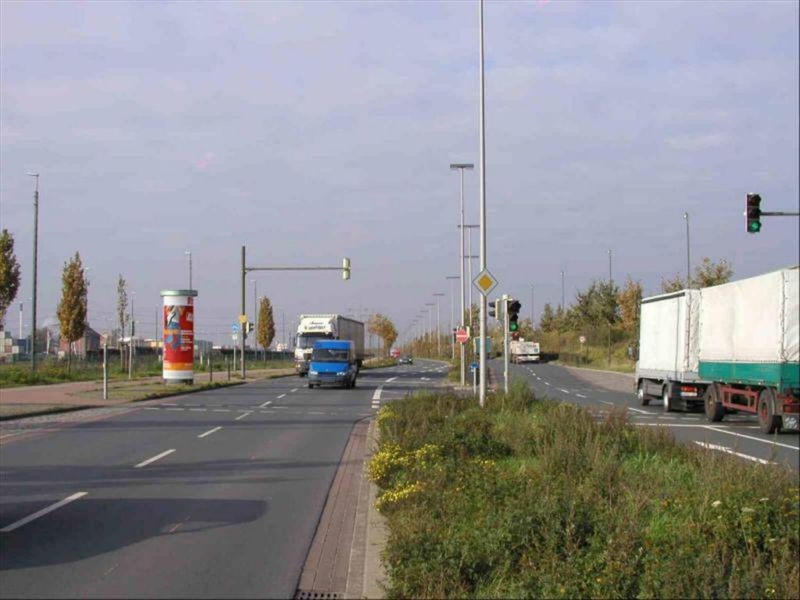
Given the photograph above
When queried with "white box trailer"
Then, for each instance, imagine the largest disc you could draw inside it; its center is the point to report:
(732, 347)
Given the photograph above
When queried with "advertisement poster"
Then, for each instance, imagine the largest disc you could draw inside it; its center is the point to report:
(178, 338)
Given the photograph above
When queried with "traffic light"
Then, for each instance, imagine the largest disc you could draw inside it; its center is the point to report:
(753, 213)
(248, 327)
(513, 315)
(493, 308)
(345, 268)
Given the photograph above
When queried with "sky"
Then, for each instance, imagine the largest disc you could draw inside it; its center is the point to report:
(310, 131)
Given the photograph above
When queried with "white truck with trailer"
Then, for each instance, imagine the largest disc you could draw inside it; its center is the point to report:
(729, 348)
(521, 351)
(330, 327)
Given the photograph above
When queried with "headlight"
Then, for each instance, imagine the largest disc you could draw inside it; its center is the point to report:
(313, 373)
(341, 373)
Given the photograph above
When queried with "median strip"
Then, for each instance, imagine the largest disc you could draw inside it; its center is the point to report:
(154, 459)
(41, 513)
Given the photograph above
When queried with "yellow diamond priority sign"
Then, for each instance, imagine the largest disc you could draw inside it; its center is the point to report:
(242, 319)
(485, 282)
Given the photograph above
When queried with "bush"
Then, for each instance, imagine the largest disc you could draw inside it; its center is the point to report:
(533, 498)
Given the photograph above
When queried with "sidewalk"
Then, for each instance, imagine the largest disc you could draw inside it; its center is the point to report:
(39, 399)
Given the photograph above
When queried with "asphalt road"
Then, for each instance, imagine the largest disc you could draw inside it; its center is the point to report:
(737, 434)
(210, 495)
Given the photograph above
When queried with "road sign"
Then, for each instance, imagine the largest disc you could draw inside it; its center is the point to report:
(235, 328)
(462, 336)
(582, 339)
(473, 366)
(242, 319)
(488, 345)
(485, 282)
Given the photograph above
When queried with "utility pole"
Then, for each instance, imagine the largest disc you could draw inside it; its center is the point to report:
(562, 291)
(243, 313)
(482, 396)
(189, 253)
(610, 290)
(688, 256)
(35, 265)
(20, 321)
(505, 300)
(438, 327)
(255, 315)
(533, 323)
(452, 279)
(130, 340)
(461, 167)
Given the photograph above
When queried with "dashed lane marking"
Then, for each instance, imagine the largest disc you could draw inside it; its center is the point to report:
(607, 402)
(243, 415)
(728, 450)
(294, 389)
(281, 396)
(267, 403)
(209, 432)
(579, 395)
(546, 383)
(642, 412)
(144, 463)
(391, 379)
(222, 410)
(563, 390)
(42, 512)
(377, 394)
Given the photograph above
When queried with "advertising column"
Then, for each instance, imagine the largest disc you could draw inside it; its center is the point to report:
(179, 335)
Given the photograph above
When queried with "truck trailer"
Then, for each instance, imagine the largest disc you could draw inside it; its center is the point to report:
(331, 327)
(728, 348)
(521, 351)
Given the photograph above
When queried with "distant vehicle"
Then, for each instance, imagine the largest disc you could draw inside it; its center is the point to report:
(405, 360)
(325, 327)
(395, 353)
(521, 351)
(333, 362)
(728, 348)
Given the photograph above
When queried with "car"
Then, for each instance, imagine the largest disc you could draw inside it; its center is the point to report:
(405, 360)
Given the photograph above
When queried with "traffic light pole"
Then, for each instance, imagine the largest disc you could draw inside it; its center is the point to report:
(505, 341)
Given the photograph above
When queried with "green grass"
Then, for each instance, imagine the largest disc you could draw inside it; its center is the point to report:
(51, 371)
(533, 499)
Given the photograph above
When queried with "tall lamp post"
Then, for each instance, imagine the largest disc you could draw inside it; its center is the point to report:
(35, 265)
(452, 279)
(438, 327)
(189, 254)
(255, 314)
(610, 289)
(533, 315)
(482, 118)
(461, 167)
(688, 255)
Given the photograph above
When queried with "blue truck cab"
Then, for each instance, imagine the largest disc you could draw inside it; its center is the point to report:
(333, 362)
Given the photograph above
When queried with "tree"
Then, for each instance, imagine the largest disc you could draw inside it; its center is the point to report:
(383, 327)
(74, 303)
(629, 301)
(266, 323)
(122, 314)
(706, 274)
(9, 274)
(547, 322)
(672, 285)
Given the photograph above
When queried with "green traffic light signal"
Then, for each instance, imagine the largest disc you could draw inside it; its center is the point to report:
(754, 227)
(513, 326)
(753, 213)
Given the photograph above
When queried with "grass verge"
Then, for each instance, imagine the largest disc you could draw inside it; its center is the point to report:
(537, 499)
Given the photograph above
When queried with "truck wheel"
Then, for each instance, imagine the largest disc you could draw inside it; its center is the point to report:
(310, 385)
(768, 421)
(714, 409)
(666, 397)
(641, 395)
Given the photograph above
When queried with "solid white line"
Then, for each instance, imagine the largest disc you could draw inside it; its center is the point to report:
(579, 395)
(154, 459)
(209, 432)
(730, 451)
(391, 379)
(267, 403)
(750, 437)
(377, 394)
(243, 415)
(41, 513)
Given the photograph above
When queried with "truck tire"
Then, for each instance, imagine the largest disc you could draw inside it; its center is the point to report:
(714, 409)
(768, 421)
(666, 397)
(644, 400)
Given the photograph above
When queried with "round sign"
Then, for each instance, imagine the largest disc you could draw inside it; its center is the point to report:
(462, 336)
(582, 339)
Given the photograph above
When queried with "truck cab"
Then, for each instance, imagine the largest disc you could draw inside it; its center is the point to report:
(333, 362)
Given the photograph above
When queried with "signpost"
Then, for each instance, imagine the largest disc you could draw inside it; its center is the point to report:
(462, 335)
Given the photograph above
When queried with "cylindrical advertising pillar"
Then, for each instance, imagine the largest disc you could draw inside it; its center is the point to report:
(178, 335)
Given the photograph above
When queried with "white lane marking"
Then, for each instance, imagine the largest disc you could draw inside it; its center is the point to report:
(281, 396)
(144, 463)
(314, 412)
(546, 383)
(728, 450)
(209, 432)
(280, 407)
(377, 394)
(750, 437)
(243, 415)
(222, 410)
(152, 408)
(41, 513)
(607, 402)
(425, 378)
(579, 395)
(170, 404)
(563, 390)
(174, 409)
(391, 379)
(295, 389)
(267, 403)
(198, 409)
(642, 412)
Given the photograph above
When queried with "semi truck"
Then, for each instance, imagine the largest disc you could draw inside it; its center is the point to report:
(331, 327)
(521, 351)
(729, 348)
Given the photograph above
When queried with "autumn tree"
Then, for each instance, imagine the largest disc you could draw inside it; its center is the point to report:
(122, 314)
(547, 322)
(707, 274)
(266, 323)
(74, 303)
(9, 274)
(630, 298)
(383, 327)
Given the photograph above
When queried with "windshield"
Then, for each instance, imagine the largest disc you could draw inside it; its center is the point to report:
(306, 340)
(329, 355)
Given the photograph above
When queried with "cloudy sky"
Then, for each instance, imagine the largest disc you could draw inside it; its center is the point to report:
(309, 131)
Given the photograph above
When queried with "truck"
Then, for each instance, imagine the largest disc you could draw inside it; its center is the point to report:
(332, 327)
(333, 362)
(521, 351)
(729, 348)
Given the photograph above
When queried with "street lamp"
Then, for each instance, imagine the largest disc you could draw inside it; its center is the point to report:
(482, 119)
(438, 327)
(189, 254)
(35, 265)
(688, 255)
(130, 341)
(461, 167)
(453, 279)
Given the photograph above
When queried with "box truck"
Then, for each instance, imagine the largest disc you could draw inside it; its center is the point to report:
(331, 327)
(728, 348)
(521, 351)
